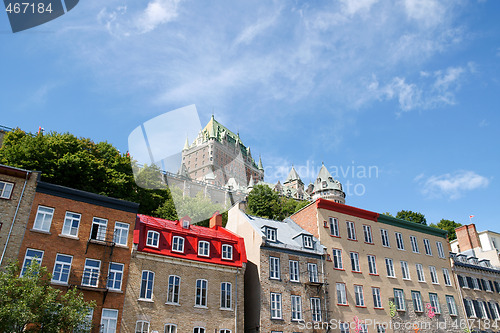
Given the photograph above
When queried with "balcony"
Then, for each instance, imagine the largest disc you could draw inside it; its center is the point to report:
(89, 280)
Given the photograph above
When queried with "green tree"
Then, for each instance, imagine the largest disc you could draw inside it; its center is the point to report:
(408, 215)
(264, 202)
(30, 304)
(449, 226)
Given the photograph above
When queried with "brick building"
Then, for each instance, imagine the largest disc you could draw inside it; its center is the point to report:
(384, 274)
(185, 278)
(17, 190)
(483, 244)
(284, 280)
(85, 240)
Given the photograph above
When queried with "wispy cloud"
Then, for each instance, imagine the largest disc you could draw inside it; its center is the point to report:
(156, 13)
(451, 185)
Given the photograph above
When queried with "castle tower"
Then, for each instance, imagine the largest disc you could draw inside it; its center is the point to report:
(326, 187)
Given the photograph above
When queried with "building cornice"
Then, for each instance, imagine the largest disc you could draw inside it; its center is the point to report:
(412, 226)
(345, 209)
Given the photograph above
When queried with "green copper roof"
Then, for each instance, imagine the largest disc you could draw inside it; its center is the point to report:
(293, 175)
(411, 225)
(260, 164)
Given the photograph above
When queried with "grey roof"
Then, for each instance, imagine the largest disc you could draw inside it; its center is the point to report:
(293, 175)
(325, 181)
(287, 233)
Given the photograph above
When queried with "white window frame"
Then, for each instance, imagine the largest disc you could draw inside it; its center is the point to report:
(420, 272)
(359, 296)
(308, 242)
(416, 297)
(106, 320)
(384, 236)
(434, 300)
(121, 231)
(312, 269)
(355, 262)
(405, 270)
(271, 234)
(337, 259)
(372, 264)
(446, 276)
(334, 227)
(399, 299)
(173, 289)
(102, 226)
(452, 306)
(440, 249)
(399, 241)
(6, 189)
(341, 293)
(434, 276)
(484, 311)
(61, 268)
(153, 238)
(227, 252)
(30, 255)
(274, 268)
(496, 313)
(43, 219)
(316, 309)
(178, 244)
(68, 227)
(427, 247)
(147, 285)
(414, 244)
(91, 272)
(377, 299)
(296, 305)
(201, 293)
(142, 326)
(367, 232)
(115, 276)
(203, 248)
(471, 307)
(199, 329)
(226, 295)
(389, 267)
(475, 283)
(351, 230)
(294, 271)
(170, 328)
(344, 327)
(276, 308)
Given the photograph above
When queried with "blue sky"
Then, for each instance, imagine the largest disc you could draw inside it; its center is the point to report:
(406, 89)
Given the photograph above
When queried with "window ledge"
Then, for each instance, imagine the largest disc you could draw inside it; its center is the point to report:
(227, 309)
(122, 246)
(342, 304)
(69, 236)
(201, 307)
(145, 300)
(378, 308)
(58, 283)
(118, 291)
(170, 303)
(41, 231)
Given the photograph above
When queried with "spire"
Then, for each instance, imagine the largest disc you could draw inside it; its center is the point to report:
(293, 175)
(251, 183)
(260, 164)
(186, 144)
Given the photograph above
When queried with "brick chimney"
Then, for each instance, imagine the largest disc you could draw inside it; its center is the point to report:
(467, 237)
(216, 220)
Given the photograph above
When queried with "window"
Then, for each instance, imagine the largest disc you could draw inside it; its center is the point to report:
(405, 271)
(5, 190)
(203, 248)
(334, 227)
(384, 234)
(71, 224)
(377, 300)
(142, 326)
(399, 299)
(294, 271)
(86, 324)
(225, 295)
(147, 283)
(313, 272)
(120, 235)
(201, 293)
(381, 329)
(372, 265)
(341, 294)
(43, 218)
(358, 293)
(482, 306)
(417, 301)
(31, 255)
(98, 231)
(434, 277)
(486, 284)
(344, 327)
(91, 273)
(367, 232)
(227, 252)
(337, 259)
(315, 309)
(475, 283)
(414, 244)
(446, 276)
(170, 328)
(115, 276)
(276, 306)
(439, 246)
(178, 244)
(389, 265)
(108, 320)
(494, 306)
(427, 246)
(434, 302)
(308, 242)
(420, 273)
(452, 307)
(469, 308)
(224, 331)
(351, 231)
(199, 330)
(174, 283)
(274, 268)
(153, 238)
(296, 308)
(354, 261)
(62, 267)
(399, 241)
(271, 234)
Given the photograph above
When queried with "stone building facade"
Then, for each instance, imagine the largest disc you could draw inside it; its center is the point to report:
(17, 190)
(185, 278)
(285, 286)
(85, 240)
(384, 274)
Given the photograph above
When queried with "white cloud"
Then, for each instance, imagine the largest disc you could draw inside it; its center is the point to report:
(451, 185)
(156, 13)
(252, 31)
(352, 7)
(427, 12)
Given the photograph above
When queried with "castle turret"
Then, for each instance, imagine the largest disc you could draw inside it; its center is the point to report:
(327, 188)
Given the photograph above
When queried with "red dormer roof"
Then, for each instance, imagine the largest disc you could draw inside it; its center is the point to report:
(216, 236)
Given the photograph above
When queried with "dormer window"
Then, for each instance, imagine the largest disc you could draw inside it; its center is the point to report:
(270, 234)
(203, 248)
(227, 252)
(308, 242)
(153, 238)
(185, 224)
(178, 244)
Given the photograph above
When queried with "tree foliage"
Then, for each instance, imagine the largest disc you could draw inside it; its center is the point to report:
(449, 226)
(264, 202)
(30, 304)
(415, 217)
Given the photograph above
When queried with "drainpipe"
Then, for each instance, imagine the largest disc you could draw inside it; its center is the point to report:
(236, 301)
(14, 219)
(455, 278)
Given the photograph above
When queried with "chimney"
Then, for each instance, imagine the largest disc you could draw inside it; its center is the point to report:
(467, 237)
(186, 222)
(242, 205)
(216, 220)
